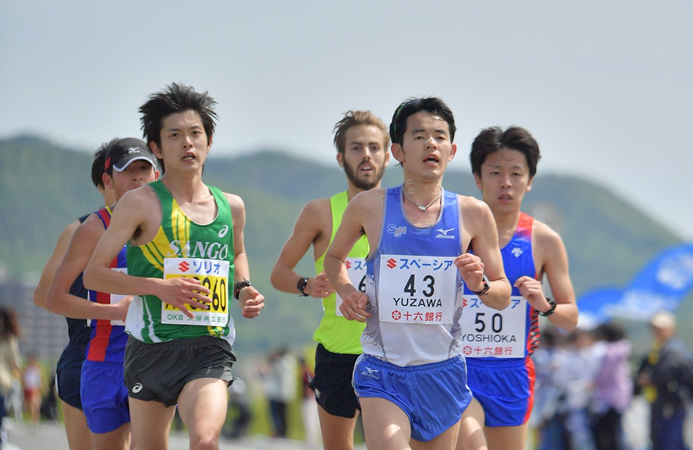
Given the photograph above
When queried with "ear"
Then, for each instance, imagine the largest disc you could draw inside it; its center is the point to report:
(340, 159)
(155, 150)
(209, 143)
(397, 152)
(529, 184)
(453, 151)
(477, 180)
(107, 180)
(156, 175)
(387, 158)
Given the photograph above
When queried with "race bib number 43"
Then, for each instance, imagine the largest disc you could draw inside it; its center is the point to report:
(417, 289)
(214, 275)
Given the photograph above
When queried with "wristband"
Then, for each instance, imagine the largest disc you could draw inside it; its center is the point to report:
(239, 286)
(551, 310)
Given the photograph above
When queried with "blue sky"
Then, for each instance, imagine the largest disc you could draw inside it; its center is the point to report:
(604, 86)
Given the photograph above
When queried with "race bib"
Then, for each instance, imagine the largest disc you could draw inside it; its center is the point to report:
(115, 298)
(417, 289)
(213, 274)
(356, 268)
(487, 332)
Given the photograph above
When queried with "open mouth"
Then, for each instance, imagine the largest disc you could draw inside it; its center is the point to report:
(505, 197)
(189, 157)
(432, 159)
(367, 168)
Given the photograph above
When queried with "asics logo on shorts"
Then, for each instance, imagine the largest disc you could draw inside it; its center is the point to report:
(137, 388)
(371, 373)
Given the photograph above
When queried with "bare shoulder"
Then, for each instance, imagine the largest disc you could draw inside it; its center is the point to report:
(141, 199)
(368, 199)
(235, 201)
(547, 243)
(317, 213)
(473, 209)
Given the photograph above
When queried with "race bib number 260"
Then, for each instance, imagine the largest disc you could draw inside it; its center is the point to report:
(214, 275)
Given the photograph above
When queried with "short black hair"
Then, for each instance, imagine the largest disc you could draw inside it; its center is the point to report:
(409, 107)
(492, 139)
(98, 167)
(176, 98)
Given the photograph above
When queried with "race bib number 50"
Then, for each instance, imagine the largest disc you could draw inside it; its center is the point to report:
(417, 289)
(214, 275)
(487, 332)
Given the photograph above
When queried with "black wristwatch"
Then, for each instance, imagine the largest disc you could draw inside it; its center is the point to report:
(302, 283)
(551, 310)
(238, 286)
(484, 289)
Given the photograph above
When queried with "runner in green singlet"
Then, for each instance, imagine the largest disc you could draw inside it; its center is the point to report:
(186, 259)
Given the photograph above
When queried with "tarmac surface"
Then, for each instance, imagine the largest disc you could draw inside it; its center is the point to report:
(51, 435)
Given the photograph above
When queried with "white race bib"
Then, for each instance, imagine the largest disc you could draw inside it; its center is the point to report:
(115, 298)
(356, 268)
(487, 332)
(417, 289)
(213, 274)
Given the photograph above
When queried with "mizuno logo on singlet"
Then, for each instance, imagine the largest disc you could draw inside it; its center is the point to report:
(517, 251)
(443, 234)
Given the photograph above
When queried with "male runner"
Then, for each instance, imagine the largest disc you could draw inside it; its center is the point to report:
(498, 344)
(129, 164)
(186, 258)
(69, 369)
(362, 141)
(411, 380)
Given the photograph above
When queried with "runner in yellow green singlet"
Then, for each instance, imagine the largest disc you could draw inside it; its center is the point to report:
(362, 142)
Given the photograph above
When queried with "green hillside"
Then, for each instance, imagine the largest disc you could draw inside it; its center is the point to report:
(45, 186)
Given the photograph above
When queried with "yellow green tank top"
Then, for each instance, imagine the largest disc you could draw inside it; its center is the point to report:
(335, 333)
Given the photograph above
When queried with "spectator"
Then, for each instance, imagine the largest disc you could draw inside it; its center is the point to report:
(668, 369)
(32, 380)
(10, 361)
(613, 387)
(309, 406)
(279, 377)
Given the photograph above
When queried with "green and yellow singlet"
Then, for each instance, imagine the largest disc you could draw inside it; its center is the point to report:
(183, 248)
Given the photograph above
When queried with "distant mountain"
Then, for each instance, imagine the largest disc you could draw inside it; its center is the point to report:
(45, 186)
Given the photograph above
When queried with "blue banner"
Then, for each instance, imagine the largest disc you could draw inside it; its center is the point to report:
(660, 285)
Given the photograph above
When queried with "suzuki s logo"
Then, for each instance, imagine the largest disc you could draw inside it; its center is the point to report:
(184, 266)
(223, 231)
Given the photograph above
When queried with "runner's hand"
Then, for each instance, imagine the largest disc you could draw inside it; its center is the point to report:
(353, 307)
(471, 270)
(120, 309)
(251, 302)
(319, 287)
(532, 291)
(183, 293)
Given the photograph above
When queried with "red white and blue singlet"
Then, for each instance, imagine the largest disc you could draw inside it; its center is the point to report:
(108, 338)
(498, 344)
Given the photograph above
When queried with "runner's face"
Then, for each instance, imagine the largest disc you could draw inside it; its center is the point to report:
(426, 148)
(364, 158)
(135, 175)
(504, 180)
(184, 142)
